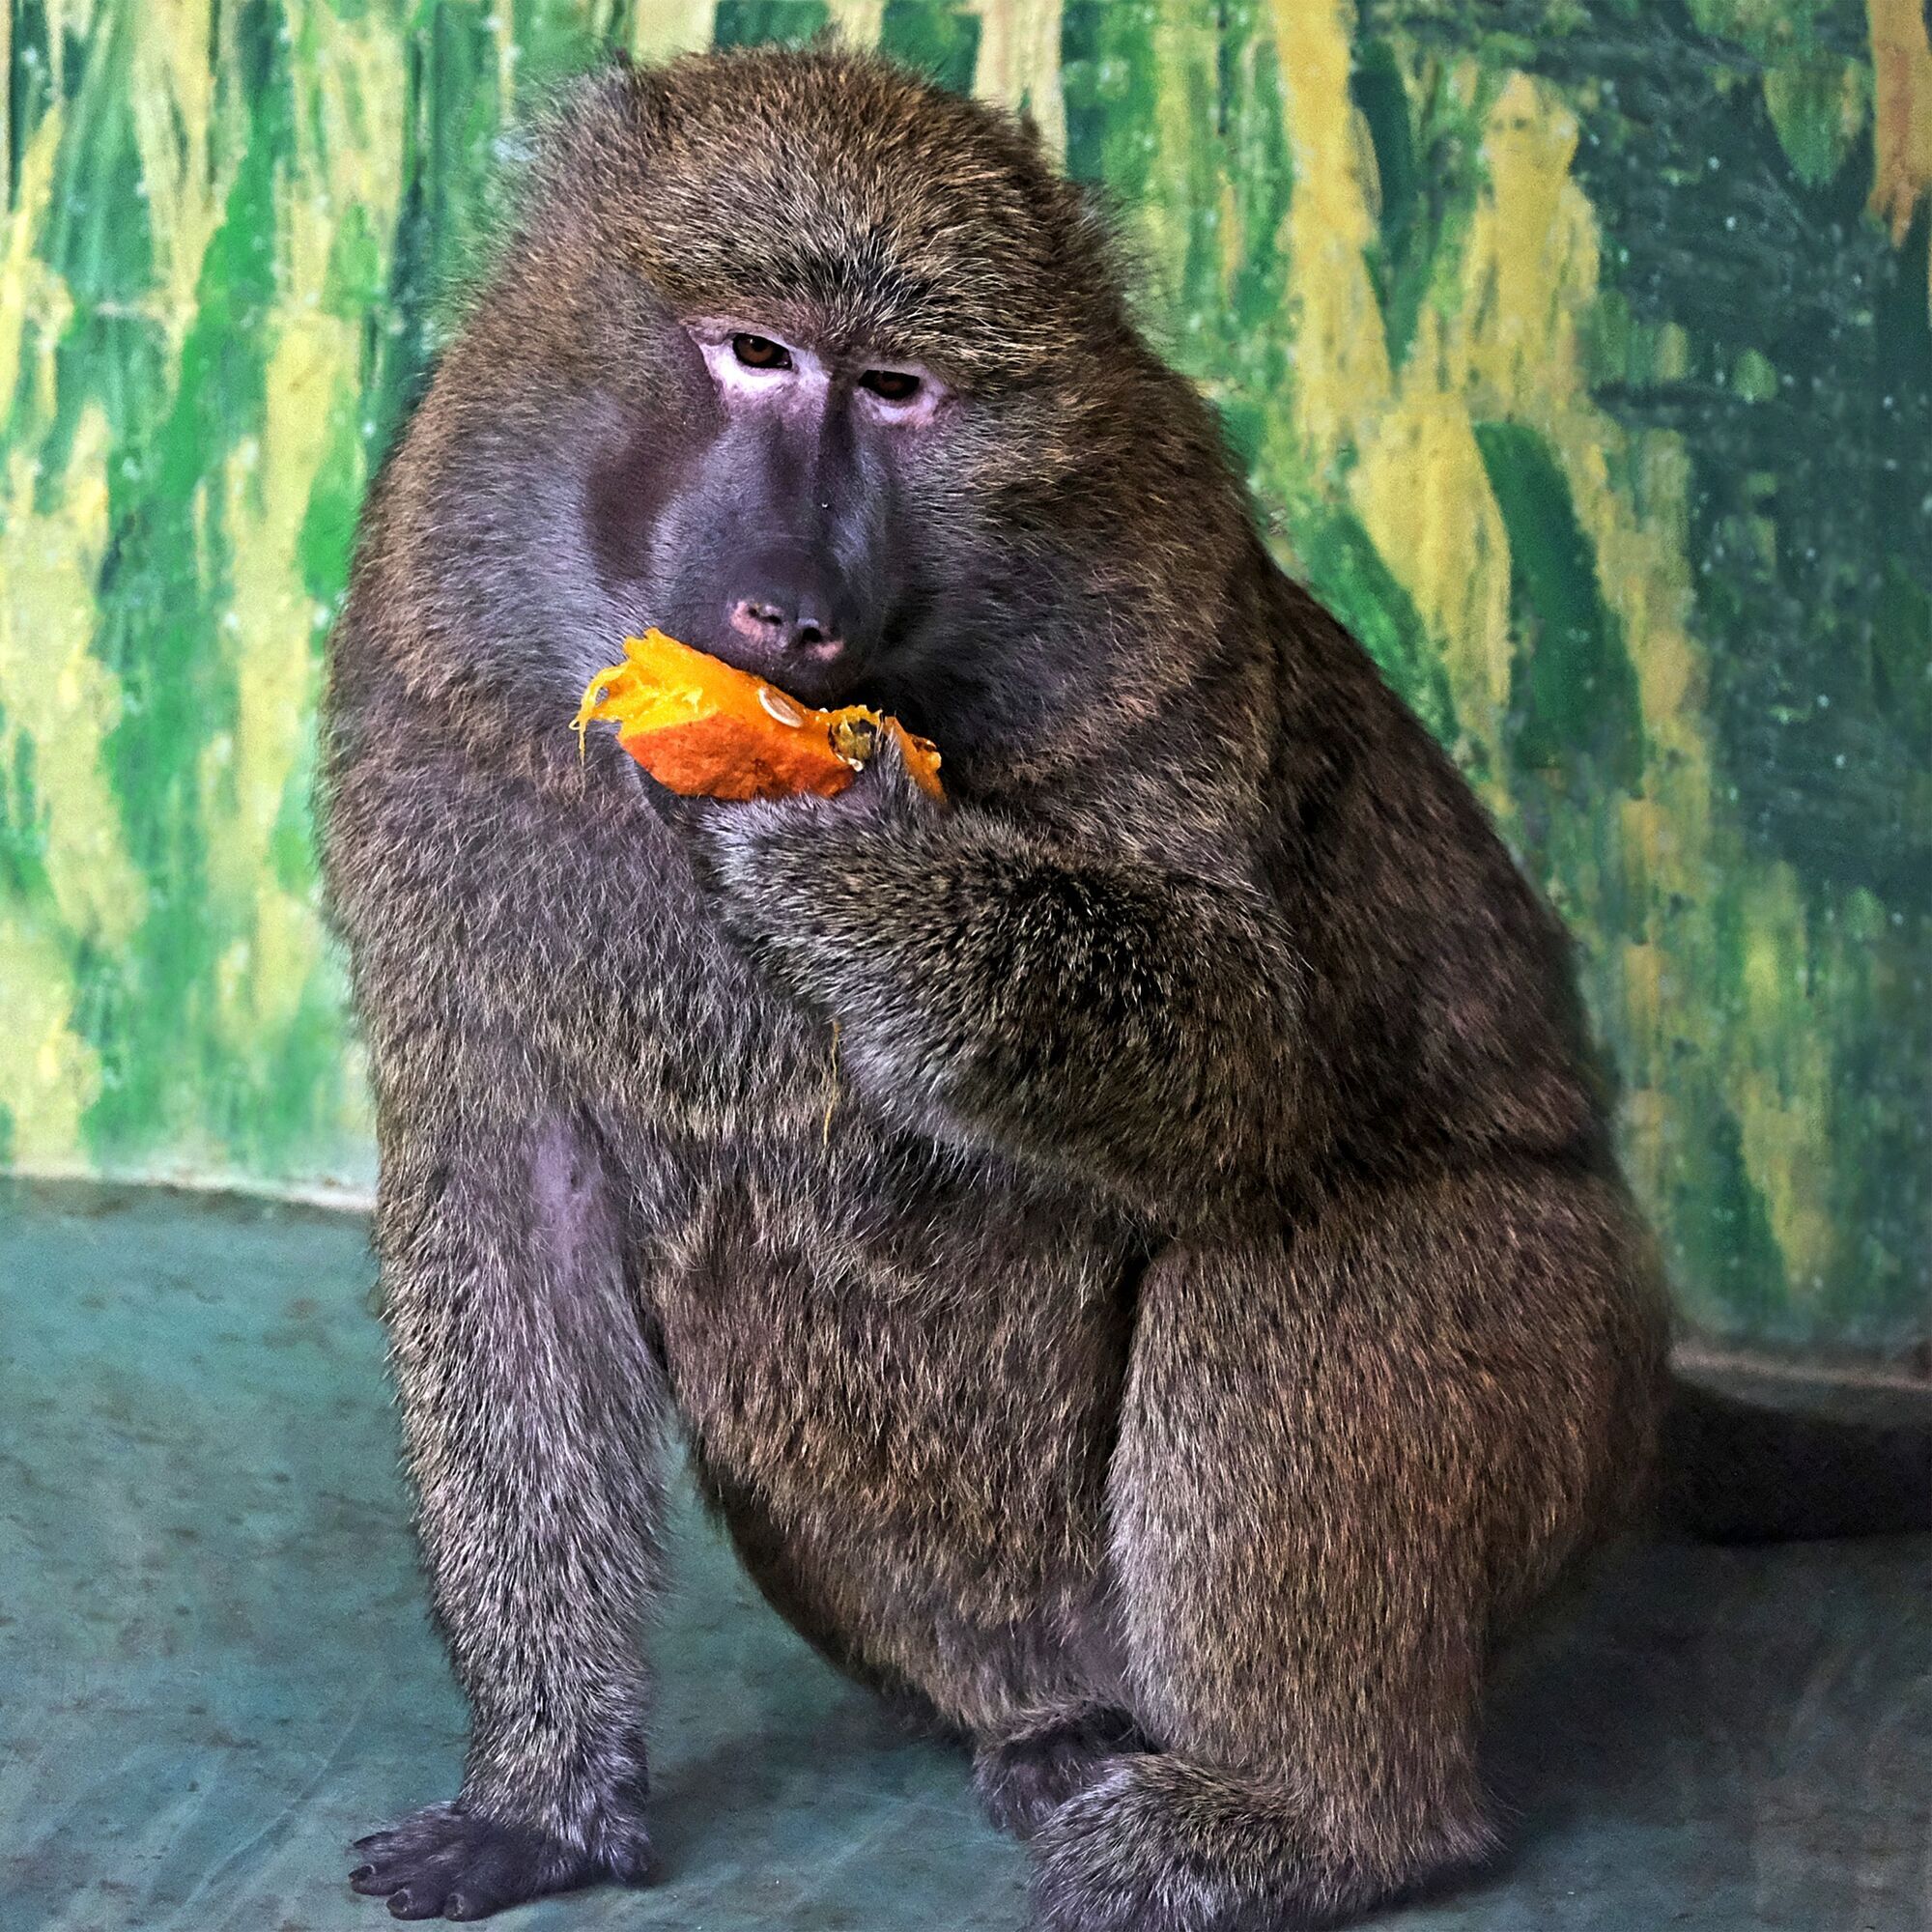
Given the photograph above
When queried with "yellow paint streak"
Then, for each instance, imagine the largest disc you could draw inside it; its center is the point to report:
(1507, 348)
(61, 699)
(1902, 138)
(1183, 57)
(508, 54)
(666, 27)
(1019, 62)
(348, 136)
(1423, 494)
(1782, 1090)
(67, 21)
(1530, 272)
(1342, 377)
(267, 629)
(55, 695)
(48, 1074)
(1417, 481)
(32, 296)
(171, 101)
(859, 22)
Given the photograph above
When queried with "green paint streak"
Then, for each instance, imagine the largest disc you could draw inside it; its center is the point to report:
(99, 238)
(1109, 80)
(1426, 139)
(1261, 177)
(1573, 702)
(1769, 28)
(328, 529)
(158, 619)
(1902, 657)
(1806, 99)
(30, 83)
(1344, 568)
(1726, 1248)
(1400, 262)
(23, 838)
(934, 37)
(554, 39)
(750, 24)
(451, 113)
(1882, 1024)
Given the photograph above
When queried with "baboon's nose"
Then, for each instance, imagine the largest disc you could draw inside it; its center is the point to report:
(800, 625)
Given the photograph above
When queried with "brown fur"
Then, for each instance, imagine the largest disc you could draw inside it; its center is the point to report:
(1211, 1314)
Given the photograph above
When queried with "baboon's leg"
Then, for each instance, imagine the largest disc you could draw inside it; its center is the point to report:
(531, 1409)
(1336, 1459)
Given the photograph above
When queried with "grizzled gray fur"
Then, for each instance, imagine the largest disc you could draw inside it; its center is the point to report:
(1132, 1249)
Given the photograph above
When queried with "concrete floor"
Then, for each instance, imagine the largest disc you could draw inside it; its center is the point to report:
(215, 1671)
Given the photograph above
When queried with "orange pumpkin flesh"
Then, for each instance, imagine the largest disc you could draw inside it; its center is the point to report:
(708, 730)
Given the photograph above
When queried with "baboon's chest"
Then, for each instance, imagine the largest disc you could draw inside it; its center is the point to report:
(901, 1344)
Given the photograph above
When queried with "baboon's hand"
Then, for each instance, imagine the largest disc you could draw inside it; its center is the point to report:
(449, 1861)
(1088, 1011)
(770, 865)
(738, 852)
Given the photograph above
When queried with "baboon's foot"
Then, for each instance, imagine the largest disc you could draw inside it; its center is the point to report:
(449, 1861)
(1024, 1778)
(1162, 1845)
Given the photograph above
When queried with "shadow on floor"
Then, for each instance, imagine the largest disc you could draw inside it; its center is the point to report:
(216, 1669)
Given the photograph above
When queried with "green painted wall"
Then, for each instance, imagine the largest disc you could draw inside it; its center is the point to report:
(1579, 350)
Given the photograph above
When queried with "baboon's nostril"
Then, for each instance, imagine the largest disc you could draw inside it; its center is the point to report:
(764, 622)
(785, 626)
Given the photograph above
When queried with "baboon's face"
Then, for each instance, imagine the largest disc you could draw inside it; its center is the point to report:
(784, 537)
(848, 346)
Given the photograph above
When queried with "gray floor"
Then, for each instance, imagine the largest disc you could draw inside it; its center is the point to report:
(215, 1667)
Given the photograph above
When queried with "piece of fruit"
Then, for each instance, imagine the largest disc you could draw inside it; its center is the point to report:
(706, 729)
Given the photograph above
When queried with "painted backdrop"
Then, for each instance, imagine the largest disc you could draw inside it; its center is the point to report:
(1578, 350)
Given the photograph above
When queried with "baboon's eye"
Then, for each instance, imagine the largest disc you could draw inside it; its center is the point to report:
(761, 352)
(891, 385)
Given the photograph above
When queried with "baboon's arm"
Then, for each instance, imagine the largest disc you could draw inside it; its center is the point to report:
(1097, 1012)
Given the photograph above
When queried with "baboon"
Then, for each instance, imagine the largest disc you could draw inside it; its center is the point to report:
(1133, 1250)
